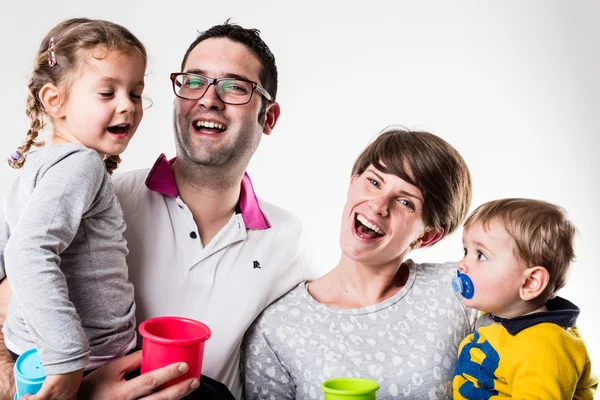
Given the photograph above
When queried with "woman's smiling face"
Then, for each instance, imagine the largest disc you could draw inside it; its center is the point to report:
(382, 217)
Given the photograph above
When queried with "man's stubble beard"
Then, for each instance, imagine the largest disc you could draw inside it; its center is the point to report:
(229, 155)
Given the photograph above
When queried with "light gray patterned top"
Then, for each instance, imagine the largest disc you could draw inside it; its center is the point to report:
(408, 343)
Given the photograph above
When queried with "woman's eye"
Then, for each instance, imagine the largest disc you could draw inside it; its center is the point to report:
(481, 256)
(406, 203)
(373, 182)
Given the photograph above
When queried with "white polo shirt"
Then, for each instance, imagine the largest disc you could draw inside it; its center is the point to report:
(253, 260)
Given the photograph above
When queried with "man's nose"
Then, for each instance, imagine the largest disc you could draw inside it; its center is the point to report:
(211, 99)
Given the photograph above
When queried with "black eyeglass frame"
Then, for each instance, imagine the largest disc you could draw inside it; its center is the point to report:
(215, 81)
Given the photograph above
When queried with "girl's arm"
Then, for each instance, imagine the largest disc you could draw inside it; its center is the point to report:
(48, 222)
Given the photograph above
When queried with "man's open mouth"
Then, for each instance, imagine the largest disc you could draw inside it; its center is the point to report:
(208, 127)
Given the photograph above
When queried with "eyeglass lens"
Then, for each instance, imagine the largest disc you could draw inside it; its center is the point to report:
(233, 91)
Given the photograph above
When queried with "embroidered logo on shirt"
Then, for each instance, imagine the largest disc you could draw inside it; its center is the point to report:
(256, 264)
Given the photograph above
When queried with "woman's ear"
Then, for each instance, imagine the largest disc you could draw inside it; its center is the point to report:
(428, 238)
(51, 99)
(535, 282)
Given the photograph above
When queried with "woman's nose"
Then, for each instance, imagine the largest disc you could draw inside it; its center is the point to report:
(379, 205)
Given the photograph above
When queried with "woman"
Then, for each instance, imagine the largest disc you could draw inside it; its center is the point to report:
(375, 315)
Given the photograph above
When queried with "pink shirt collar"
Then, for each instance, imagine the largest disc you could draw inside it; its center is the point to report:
(161, 180)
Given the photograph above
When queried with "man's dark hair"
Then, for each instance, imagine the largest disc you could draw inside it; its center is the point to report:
(249, 38)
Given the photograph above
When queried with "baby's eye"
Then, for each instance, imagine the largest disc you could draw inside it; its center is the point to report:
(106, 94)
(481, 256)
(136, 96)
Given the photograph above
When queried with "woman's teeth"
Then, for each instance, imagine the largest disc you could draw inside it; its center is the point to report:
(369, 225)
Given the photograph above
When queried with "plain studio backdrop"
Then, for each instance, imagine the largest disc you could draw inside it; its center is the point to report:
(513, 85)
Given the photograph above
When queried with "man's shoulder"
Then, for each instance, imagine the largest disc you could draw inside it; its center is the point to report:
(131, 189)
(125, 182)
(280, 218)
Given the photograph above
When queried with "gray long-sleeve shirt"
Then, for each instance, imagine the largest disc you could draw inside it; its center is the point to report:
(63, 252)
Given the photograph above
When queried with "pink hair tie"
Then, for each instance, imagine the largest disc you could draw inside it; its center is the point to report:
(51, 54)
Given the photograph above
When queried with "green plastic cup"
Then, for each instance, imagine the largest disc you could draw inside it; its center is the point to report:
(350, 389)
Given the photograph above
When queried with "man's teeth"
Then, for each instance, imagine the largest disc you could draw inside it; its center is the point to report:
(369, 225)
(207, 124)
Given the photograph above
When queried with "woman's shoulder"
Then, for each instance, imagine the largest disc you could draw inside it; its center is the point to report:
(434, 281)
(292, 302)
(442, 271)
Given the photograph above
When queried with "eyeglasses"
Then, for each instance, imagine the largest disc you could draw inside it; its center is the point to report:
(146, 102)
(233, 91)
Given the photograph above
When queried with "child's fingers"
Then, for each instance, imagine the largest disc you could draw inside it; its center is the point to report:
(43, 394)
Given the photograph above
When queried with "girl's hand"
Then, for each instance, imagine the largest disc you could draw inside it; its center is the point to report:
(59, 387)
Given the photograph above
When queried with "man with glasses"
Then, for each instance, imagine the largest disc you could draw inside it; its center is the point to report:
(201, 245)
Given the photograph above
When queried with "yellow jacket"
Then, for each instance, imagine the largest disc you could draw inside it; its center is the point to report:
(535, 356)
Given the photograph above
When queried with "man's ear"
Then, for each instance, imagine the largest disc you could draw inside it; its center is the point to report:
(52, 100)
(428, 238)
(535, 281)
(271, 116)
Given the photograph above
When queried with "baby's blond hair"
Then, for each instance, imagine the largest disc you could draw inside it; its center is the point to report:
(542, 233)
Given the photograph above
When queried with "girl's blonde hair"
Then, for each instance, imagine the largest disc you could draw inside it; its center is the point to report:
(56, 63)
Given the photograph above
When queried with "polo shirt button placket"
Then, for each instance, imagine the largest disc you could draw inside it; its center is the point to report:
(193, 235)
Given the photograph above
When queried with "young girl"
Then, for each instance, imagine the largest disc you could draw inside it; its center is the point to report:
(61, 235)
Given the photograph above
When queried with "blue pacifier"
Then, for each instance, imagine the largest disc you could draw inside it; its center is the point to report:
(462, 284)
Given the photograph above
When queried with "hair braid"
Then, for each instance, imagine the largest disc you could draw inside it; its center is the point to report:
(36, 116)
(112, 163)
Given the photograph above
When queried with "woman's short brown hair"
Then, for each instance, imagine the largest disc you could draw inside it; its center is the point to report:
(542, 233)
(429, 163)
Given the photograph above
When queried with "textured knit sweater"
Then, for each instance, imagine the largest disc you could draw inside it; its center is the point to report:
(63, 252)
(407, 343)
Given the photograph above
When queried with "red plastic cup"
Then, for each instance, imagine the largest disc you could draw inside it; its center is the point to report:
(173, 339)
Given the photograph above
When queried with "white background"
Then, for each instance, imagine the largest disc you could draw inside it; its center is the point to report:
(513, 85)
